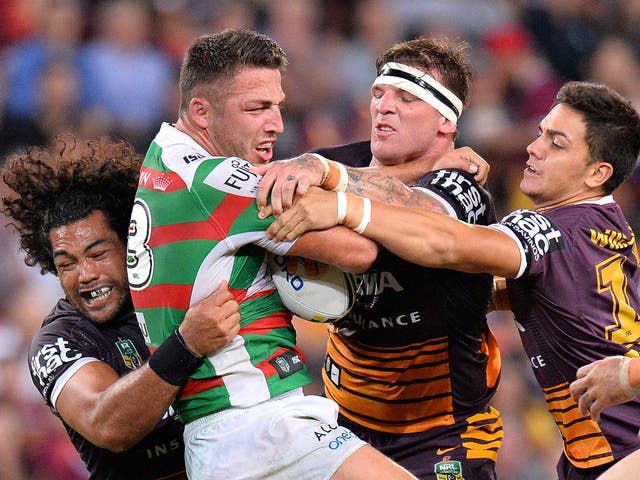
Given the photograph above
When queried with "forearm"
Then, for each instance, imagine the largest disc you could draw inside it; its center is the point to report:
(117, 412)
(404, 231)
(337, 246)
(129, 409)
(434, 240)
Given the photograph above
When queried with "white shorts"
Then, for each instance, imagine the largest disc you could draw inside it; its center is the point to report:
(290, 437)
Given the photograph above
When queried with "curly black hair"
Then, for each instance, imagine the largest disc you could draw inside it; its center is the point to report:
(50, 188)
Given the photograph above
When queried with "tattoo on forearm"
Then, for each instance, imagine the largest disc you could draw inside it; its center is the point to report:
(384, 188)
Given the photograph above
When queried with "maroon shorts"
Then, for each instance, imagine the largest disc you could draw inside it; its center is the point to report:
(437, 454)
(567, 471)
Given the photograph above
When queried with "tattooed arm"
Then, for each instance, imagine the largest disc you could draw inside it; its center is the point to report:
(377, 185)
(284, 181)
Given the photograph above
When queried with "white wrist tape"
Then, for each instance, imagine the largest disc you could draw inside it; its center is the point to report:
(325, 165)
(342, 207)
(366, 215)
(344, 178)
(624, 377)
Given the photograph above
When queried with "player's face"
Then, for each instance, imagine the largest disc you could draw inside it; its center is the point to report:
(247, 119)
(558, 160)
(90, 260)
(403, 127)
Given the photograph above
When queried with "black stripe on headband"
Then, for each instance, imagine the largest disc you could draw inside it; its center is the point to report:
(388, 71)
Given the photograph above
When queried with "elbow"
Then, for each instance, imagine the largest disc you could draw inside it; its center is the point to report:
(361, 258)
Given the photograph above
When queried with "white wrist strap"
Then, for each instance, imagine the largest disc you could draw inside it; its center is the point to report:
(366, 215)
(624, 376)
(344, 178)
(325, 165)
(342, 207)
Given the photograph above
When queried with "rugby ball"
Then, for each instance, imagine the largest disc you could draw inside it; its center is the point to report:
(324, 298)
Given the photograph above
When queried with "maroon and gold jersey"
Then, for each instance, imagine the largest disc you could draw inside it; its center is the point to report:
(66, 342)
(416, 354)
(577, 300)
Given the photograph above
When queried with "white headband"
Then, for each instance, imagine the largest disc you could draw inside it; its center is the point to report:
(423, 86)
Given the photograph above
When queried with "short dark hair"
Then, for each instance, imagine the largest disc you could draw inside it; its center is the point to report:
(612, 124)
(51, 188)
(434, 55)
(217, 58)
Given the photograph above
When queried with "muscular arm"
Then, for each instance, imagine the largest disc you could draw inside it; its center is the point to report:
(111, 412)
(433, 240)
(378, 185)
(116, 413)
(414, 234)
(338, 246)
(285, 181)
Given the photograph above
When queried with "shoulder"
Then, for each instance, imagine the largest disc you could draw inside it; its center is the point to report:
(537, 233)
(66, 339)
(458, 190)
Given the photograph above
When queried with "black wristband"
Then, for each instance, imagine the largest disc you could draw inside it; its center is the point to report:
(173, 361)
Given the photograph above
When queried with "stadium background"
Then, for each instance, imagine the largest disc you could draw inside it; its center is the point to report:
(110, 67)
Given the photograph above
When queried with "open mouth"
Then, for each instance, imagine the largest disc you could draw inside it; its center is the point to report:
(383, 127)
(265, 150)
(93, 296)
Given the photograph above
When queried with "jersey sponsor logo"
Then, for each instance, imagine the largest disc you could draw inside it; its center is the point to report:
(159, 181)
(139, 254)
(537, 361)
(448, 469)
(370, 285)
(160, 449)
(404, 319)
(442, 451)
(539, 234)
(612, 240)
(340, 435)
(129, 353)
(50, 357)
(464, 191)
(192, 158)
(287, 363)
(233, 176)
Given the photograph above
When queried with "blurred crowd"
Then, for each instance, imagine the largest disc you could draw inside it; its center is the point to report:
(110, 68)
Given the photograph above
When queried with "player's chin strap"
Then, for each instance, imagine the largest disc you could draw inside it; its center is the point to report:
(423, 86)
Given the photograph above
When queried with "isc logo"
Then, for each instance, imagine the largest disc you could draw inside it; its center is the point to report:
(296, 282)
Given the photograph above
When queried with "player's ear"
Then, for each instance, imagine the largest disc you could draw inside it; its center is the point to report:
(199, 111)
(447, 127)
(598, 173)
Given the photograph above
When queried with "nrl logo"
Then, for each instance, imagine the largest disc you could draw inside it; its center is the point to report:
(129, 353)
(448, 469)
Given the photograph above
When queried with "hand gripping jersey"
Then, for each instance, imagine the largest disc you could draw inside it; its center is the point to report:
(66, 342)
(415, 353)
(194, 224)
(577, 300)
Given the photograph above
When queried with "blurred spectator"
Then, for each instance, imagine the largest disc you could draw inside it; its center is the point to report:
(58, 26)
(566, 31)
(16, 21)
(626, 18)
(375, 27)
(521, 51)
(616, 63)
(517, 87)
(58, 110)
(127, 77)
(311, 91)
